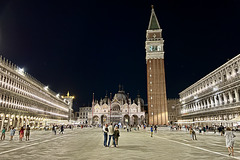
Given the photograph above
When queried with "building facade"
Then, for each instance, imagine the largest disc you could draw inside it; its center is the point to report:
(84, 113)
(174, 110)
(119, 109)
(26, 101)
(156, 85)
(215, 97)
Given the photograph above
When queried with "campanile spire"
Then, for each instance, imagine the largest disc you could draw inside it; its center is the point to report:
(153, 23)
(156, 85)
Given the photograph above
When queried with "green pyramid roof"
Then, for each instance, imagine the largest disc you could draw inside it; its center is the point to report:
(153, 24)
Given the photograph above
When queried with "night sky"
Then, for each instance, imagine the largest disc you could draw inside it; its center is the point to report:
(93, 46)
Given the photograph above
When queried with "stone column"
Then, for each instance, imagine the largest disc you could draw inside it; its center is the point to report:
(3, 119)
(230, 97)
(215, 101)
(224, 98)
(220, 99)
(236, 94)
(208, 103)
(13, 121)
(212, 103)
(18, 122)
(8, 124)
(204, 104)
(227, 74)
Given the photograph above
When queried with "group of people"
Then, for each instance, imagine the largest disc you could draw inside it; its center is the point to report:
(54, 129)
(13, 130)
(111, 132)
(229, 137)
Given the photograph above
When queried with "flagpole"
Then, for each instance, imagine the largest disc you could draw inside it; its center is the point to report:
(110, 105)
(92, 108)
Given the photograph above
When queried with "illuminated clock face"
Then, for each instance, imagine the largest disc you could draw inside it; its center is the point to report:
(155, 48)
(151, 48)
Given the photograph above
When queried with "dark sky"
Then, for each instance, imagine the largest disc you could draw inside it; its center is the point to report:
(92, 46)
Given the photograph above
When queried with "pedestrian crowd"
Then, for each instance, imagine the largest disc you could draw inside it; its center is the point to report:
(21, 133)
(229, 135)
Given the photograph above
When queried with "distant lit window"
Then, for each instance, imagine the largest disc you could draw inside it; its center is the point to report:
(151, 97)
(150, 82)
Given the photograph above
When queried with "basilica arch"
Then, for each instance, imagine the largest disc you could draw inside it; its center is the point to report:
(142, 119)
(95, 120)
(103, 119)
(135, 120)
(116, 113)
(126, 120)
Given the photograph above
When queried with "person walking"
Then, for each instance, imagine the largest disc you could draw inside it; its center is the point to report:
(105, 134)
(111, 132)
(116, 135)
(3, 133)
(151, 131)
(229, 141)
(54, 129)
(155, 128)
(190, 132)
(222, 131)
(21, 133)
(194, 135)
(12, 133)
(27, 134)
(61, 130)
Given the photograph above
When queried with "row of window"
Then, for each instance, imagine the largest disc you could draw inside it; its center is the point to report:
(221, 76)
(217, 100)
(17, 86)
(14, 103)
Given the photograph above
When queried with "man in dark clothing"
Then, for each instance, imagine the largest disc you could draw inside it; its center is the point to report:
(155, 128)
(61, 129)
(105, 133)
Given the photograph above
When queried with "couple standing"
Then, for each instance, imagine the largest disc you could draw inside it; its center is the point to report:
(113, 134)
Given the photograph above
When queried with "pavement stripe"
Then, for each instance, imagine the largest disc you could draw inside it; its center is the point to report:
(30, 145)
(203, 149)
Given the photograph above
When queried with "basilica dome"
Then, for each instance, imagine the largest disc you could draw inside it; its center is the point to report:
(105, 100)
(121, 96)
(139, 99)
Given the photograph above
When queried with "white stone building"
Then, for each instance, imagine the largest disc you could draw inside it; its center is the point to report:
(26, 101)
(84, 112)
(214, 99)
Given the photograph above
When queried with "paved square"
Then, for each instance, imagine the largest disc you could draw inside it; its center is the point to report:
(87, 143)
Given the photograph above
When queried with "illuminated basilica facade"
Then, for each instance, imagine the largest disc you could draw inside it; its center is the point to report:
(26, 101)
(120, 109)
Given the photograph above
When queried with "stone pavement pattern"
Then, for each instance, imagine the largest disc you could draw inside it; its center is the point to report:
(87, 144)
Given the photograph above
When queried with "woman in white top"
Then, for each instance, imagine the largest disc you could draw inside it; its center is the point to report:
(230, 141)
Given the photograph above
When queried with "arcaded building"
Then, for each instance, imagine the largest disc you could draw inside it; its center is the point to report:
(214, 99)
(26, 101)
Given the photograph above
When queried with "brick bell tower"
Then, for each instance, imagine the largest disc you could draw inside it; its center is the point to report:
(156, 85)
